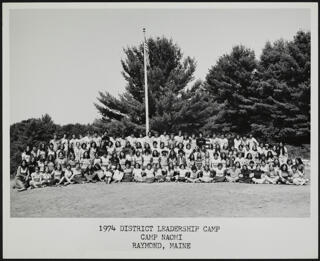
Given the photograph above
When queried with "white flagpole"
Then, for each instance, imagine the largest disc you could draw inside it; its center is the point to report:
(146, 100)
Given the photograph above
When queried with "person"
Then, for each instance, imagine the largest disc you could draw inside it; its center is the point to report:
(237, 141)
(42, 163)
(93, 150)
(149, 174)
(155, 157)
(179, 138)
(97, 170)
(232, 174)
(171, 172)
(105, 161)
(36, 178)
(137, 173)
(298, 177)
(215, 161)
(55, 142)
(272, 175)
(85, 162)
(57, 175)
(61, 160)
(188, 150)
(219, 174)
(71, 160)
(47, 179)
(258, 175)
(108, 174)
(41, 151)
(51, 163)
(77, 174)
(158, 175)
(201, 141)
(67, 177)
(182, 173)
(244, 176)
(206, 175)
(146, 158)
(284, 175)
(26, 154)
(64, 141)
(90, 174)
(117, 174)
(73, 141)
(51, 151)
(194, 175)
(199, 159)
(252, 141)
(127, 172)
(22, 177)
(172, 158)
(282, 152)
(35, 151)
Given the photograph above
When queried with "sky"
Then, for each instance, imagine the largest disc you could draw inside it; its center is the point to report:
(61, 58)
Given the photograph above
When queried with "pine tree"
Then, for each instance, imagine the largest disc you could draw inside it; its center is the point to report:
(229, 83)
(168, 76)
(283, 88)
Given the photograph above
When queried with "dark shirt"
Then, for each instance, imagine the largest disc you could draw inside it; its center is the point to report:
(257, 173)
(201, 142)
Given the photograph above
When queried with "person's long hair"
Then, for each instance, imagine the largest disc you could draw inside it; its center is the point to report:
(284, 166)
(172, 154)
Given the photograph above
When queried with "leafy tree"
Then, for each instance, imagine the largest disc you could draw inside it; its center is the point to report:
(168, 75)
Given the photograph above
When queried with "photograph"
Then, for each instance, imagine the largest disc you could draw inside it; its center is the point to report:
(166, 129)
(200, 113)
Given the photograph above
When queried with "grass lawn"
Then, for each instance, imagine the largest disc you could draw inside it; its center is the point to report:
(163, 200)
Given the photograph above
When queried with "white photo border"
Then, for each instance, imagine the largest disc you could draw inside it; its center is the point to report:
(238, 238)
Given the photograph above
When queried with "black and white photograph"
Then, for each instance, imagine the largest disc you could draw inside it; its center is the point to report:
(151, 113)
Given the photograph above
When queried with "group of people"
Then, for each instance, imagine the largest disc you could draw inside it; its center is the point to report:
(157, 158)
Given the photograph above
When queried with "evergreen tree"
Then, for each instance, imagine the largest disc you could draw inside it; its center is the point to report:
(229, 83)
(168, 76)
(283, 89)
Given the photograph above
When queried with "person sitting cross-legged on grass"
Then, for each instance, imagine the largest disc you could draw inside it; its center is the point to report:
(194, 175)
(77, 174)
(284, 175)
(149, 174)
(36, 178)
(258, 175)
(67, 177)
(108, 174)
(244, 176)
(57, 174)
(232, 174)
(22, 177)
(206, 175)
(272, 175)
(127, 172)
(220, 174)
(90, 175)
(298, 177)
(182, 173)
(158, 173)
(171, 172)
(117, 174)
(47, 179)
(138, 173)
